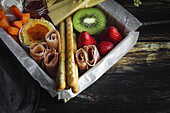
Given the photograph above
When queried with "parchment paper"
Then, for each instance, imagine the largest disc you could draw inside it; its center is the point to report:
(116, 16)
(5, 4)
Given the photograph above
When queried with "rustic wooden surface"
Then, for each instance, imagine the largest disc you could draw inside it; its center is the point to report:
(140, 81)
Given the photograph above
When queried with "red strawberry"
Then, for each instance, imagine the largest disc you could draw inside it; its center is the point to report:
(111, 34)
(104, 47)
(85, 39)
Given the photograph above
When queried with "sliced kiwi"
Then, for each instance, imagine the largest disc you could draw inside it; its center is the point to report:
(91, 20)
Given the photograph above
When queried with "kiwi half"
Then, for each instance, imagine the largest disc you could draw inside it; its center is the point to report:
(91, 20)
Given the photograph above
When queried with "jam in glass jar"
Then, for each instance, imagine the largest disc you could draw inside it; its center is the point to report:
(36, 8)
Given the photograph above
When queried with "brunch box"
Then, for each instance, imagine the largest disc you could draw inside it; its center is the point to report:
(116, 16)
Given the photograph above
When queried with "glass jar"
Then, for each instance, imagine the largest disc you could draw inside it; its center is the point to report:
(36, 8)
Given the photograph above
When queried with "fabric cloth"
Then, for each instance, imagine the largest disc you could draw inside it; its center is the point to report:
(19, 92)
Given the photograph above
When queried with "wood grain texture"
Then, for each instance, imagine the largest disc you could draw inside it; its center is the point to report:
(155, 33)
(153, 55)
(150, 10)
(137, 83)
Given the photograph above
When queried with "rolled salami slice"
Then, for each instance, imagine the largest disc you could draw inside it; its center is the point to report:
(81, 58)
(50, 62)
(37, 52)
(93, 55)
(53, 40)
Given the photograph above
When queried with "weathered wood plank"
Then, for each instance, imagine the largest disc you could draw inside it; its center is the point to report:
(155, 32)
(144, 55)
(150, 10)
(154, 38)
(155, 17)
(121, 92)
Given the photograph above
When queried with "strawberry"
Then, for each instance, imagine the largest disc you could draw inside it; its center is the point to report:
(104, 47)
(111, 34)
(85, 39)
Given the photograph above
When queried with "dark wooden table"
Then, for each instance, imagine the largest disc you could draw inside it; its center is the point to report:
(140, 81)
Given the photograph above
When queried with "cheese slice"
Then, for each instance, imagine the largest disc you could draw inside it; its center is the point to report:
(94, 2)
(59, 4)
(61, 13)
(50, 2)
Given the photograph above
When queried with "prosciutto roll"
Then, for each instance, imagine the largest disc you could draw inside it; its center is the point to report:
(44, 44)
(81, 57)
(50, 62)
(53, 40)
(93, 55)
(37, 52)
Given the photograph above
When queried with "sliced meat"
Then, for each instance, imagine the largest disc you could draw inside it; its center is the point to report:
(93, 55)
(37, 52)
(44, 44)
(81, 57)
(53, 40)
(51, 62)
